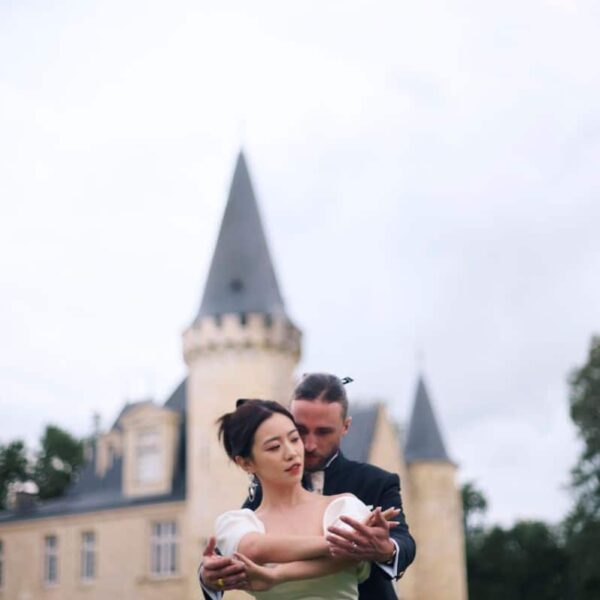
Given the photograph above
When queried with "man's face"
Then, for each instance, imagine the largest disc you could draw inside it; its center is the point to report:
(321, 426)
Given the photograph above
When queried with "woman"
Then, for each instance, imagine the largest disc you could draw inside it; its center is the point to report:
(286, 532)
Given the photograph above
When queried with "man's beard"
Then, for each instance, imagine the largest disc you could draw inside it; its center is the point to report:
(320, 465)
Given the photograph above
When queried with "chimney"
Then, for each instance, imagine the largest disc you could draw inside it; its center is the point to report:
(23, 496)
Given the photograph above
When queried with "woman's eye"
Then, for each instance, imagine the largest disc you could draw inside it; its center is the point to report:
(294, 440)
(271, 448)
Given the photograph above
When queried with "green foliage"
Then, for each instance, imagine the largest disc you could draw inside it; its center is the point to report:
(525, 562)
(582, 526)
(585, 412)
(60, 457)
(13, 467)
(474, 504)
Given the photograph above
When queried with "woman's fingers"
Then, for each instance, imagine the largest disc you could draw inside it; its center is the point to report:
(258, 578)
(388, 515)
(245, 560)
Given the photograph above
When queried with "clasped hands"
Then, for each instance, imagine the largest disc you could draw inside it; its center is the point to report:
(366, 541)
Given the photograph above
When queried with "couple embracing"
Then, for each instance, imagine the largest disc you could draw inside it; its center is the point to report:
(316, 526)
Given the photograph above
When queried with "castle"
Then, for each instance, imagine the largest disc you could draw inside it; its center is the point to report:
(134, 523)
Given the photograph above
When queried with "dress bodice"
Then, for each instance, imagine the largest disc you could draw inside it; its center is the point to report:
(233, 525)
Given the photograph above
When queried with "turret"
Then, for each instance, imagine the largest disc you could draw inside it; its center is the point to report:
(241, 344)
(435, 507)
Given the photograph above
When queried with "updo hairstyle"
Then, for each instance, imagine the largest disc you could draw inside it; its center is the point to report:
(237, 428)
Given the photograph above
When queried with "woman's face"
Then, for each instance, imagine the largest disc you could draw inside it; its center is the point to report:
(277, 451)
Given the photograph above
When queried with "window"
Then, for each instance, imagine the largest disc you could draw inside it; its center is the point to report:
(147, 454)
(50, 560)
(88, 556)
(1, 564)
(164, 549)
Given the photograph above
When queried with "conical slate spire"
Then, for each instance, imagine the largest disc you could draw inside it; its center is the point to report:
(424, 439)
(241, 278)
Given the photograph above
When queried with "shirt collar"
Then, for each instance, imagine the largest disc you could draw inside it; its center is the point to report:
(331, 460)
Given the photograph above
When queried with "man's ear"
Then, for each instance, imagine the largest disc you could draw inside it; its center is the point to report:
(244, 463)
(347, 422)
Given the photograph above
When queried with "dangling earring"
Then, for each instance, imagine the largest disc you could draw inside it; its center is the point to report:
(252, 487)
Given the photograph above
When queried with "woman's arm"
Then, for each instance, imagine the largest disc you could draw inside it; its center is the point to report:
(264, 548)
(307, 569)
(264, 578)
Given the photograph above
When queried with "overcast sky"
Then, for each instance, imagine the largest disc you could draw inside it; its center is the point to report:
(428, 174)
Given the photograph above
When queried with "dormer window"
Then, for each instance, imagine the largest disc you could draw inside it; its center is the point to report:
(147, 453)
(150, 441)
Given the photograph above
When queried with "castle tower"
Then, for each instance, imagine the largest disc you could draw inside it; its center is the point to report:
(242, 344)
(436, 509)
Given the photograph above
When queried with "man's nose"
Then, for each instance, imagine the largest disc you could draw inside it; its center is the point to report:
(309, 443)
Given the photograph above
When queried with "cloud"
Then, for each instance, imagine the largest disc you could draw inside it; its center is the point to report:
(427, 176)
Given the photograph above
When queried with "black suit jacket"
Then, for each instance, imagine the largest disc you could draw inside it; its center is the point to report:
(375, 487)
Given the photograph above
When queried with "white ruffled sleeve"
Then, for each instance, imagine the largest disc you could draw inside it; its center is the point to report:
(232, 526)
(348, 506)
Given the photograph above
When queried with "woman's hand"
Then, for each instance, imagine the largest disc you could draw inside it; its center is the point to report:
(258, 578)
(388, 515)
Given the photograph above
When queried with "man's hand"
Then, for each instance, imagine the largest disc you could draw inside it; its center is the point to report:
(220, 573)
(369, 541)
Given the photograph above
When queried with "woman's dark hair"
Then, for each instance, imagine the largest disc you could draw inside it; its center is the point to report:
(324, 387)
(237, 428)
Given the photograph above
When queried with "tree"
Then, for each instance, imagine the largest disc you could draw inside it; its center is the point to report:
(582, 526)
(59, 459)
(585, 412)
(525, 562)
(13, 467)
(474, 503)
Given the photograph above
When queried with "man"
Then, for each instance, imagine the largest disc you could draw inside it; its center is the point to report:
(320, 408)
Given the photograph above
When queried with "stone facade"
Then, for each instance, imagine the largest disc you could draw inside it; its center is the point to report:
(123, 539)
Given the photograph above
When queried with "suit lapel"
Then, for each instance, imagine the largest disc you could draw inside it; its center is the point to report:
(334, 477)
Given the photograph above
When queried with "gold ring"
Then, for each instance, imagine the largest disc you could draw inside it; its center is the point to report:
(221, 582)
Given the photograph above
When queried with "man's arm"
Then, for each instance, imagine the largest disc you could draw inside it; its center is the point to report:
(375, 541)
(400, 534)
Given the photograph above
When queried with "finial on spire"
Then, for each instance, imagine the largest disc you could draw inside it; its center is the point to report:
(96, 424)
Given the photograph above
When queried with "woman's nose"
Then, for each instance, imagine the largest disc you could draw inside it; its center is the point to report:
(290, 450)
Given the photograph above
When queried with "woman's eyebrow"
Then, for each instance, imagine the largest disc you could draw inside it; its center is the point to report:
(271, 439)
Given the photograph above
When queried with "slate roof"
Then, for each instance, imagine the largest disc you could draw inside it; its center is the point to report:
(128, 406)
(424, 439)
(241, 278)
(356, 444)
(91, 493)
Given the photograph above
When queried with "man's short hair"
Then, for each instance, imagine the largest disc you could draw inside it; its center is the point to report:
(323, 387)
